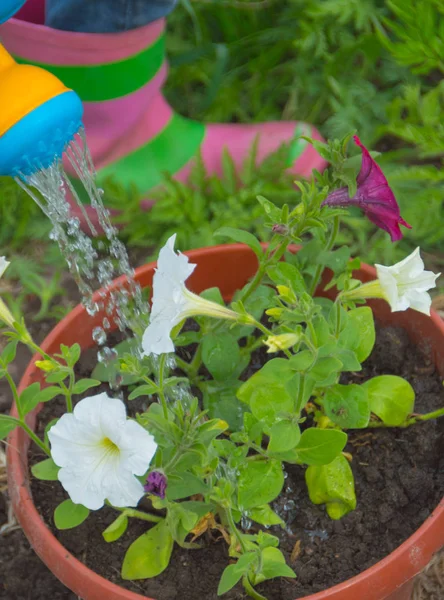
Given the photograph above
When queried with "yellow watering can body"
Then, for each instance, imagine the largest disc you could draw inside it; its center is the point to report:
(39, 116)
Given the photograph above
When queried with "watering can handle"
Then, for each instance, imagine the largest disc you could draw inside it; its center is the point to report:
(8, 8)
(6, 60)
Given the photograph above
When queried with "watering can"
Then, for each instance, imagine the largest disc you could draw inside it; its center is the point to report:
(39, 116)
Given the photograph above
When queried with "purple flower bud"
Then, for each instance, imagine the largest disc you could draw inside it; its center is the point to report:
(156, 484)
(373, 195)
(280, 228)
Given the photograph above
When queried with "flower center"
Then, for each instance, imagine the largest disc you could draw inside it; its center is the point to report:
(110, 446)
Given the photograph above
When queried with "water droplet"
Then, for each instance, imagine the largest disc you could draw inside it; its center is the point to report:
(99, 336)
(246, 522)
(106, 355)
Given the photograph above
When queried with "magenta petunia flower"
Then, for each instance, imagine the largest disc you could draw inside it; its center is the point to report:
(156, 484)
(373, 195)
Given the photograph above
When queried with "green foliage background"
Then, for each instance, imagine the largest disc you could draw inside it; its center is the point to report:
(374, 66)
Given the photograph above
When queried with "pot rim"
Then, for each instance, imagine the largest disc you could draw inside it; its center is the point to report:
(413, 554)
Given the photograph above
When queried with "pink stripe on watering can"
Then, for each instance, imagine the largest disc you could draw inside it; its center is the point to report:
(24, 39)
(118, 127)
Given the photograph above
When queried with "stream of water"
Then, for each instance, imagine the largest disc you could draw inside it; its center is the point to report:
(94, 264)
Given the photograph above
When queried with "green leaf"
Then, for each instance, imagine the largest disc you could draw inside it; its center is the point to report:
(286, 274)
(149, 555)
(284, 435)
(73, 354)
(265, 515)
(259, 483)
(48, 393)
(214, 295)
(332, 485)
(273, 565)
(302, 360)
(116, 529)
(7, 424)
(57, 377)
(266, 397)
(28, 399)
(230, 577)
(146, 389)
(361, 328)
(68, 515)
(320, 446)
(233, 573)
(221, 403)
(347, 406)
(271, 390)
(185, 338)
(184, 485)
(348, 359)
(46, 470)
(391, 398)
(274, 568)
(220, 355)
(244, 237)
(9, 352)
(336, 260)
(324, 368)
(84, 384)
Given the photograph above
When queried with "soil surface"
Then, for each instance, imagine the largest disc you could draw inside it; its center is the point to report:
(399, 482)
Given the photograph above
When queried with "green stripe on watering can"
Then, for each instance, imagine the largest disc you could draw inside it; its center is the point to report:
(168, 152)
(298, 145)
(96, 83)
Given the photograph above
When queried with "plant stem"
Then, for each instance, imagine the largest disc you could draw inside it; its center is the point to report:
(161, 392)
(235, 530)
(138, 514)
(35, 439)
(275, 257)
(68, 393)
(412, 421)
(182, 365)
(250, 589)
(196, 362)
(14, 394)
(42, 353)
(329, 246)
(338, 318)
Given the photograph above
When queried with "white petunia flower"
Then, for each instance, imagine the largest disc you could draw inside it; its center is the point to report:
(404, 285)
(5, 313)
(172, 302)
(100, 451)
(4, 264)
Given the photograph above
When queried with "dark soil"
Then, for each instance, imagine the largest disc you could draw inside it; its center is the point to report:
(399, 482)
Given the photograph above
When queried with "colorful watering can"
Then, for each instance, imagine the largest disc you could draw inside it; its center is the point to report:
(39, 116)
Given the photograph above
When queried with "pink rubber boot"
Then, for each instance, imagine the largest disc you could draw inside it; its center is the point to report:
(132, 132)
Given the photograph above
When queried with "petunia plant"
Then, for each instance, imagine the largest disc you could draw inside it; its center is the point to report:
(235, 389)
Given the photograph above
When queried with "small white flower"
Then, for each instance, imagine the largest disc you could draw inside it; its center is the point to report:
(100, 451)
(403, 285)
(172, 302)
(4, 264)
(276, 343)
(5, 313)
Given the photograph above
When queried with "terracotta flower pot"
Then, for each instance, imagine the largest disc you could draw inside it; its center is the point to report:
(227, 267)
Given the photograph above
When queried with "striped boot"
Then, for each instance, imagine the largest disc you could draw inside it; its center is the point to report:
(132, 132)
